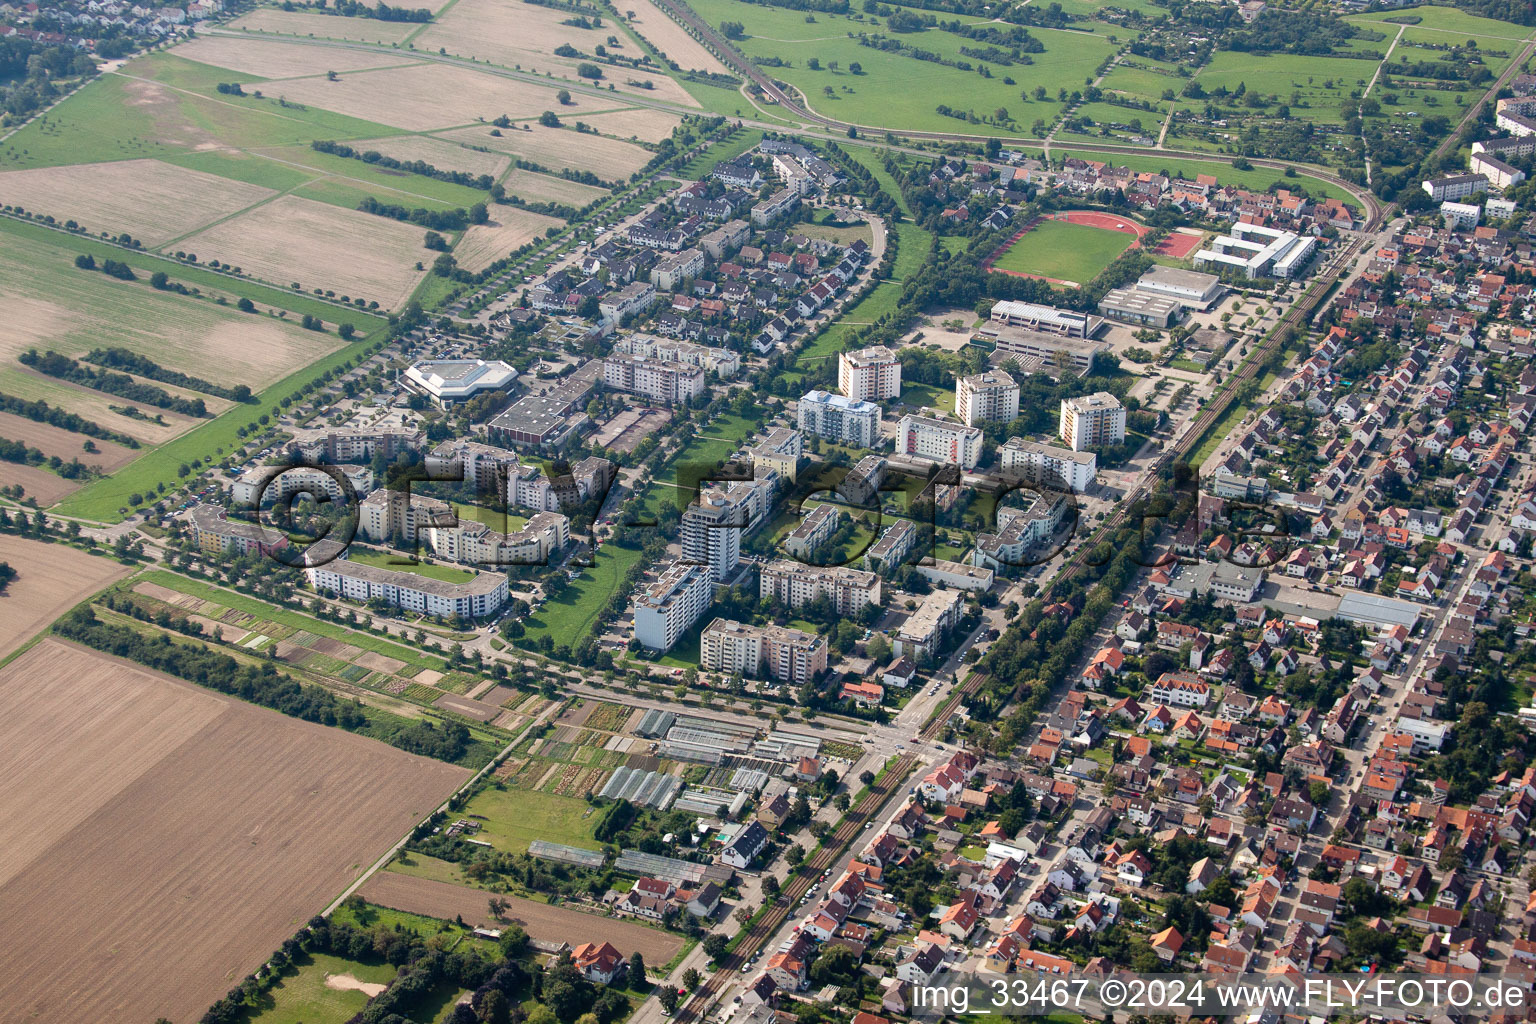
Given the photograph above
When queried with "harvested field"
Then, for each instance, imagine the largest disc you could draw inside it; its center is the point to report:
(427, 96)
(316, 244)
(429, 677)
(562, 149)
(642, 123)
(479, 711)
(294, 23)
(558, 924)
(272, 59)
(528, 35)
(125, 852)
(66, 444)
(47, 488)
(670, 38)
(51, 304)
(546, 188)
(447, 156)
(50, 579)
(508, 229)
(168, 201)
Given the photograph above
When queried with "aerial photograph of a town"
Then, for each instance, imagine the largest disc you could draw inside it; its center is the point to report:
(767, 511)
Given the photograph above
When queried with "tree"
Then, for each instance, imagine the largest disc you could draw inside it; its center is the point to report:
(771, 886)
(346, 332)
(563, 97)
(498, 907)
(636, 969)
(667, 997)
(691, 979)
(794, 855)
(714, 945)
(85, 261)
(548, 118)
(245, 305)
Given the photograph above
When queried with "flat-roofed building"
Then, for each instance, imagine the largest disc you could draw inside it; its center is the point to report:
(789, 655)
(1020, 534)
(921, 635)
(839, 418)
(446, 381)
(549, 419)
(536, 542)
(869, 375)
(671, 383)
(1046, 319)
(1049, 465)
(893, 546)
(813, 531)
(1090, 421)
(990, 397)
(711, 533)
(944, 441)
(1190, 287)
(669, 607)
(1258, 251)
(722, 362)
(275, 484)
(1134, 306)
(356, 446)
(795, 584)
(386, 515)
(1031, 349)
(214, 533)
(475, 599)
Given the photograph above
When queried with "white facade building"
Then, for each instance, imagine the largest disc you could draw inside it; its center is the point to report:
(987, 397)
(668, 608)
(940, 440)
(1090, 421)
(841, 419)
(478, 598)
(869, 375)
(1047, 464)
(672, 383)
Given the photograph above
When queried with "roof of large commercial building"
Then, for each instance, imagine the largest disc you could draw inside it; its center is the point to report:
(1179, 278)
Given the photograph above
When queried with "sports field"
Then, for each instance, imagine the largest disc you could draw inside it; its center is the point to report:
(1062, 251)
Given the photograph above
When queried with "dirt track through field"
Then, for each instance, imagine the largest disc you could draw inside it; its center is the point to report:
(163, 839)
(541, 921)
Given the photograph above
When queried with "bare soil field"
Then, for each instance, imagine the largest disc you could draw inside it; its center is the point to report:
(670, 38)
(319, 245)
(642, 123)
(508, 228)
(563, 149)
(66, 444)
(379, 662)
(324, 26)
(447, 156)
(166, 201)
(46, 487)
(137, 882)
(556, 924)
(50, 579)
(273, 59)
(427, 96)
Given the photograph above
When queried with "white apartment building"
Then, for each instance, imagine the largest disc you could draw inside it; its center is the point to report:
(711, 534)
(940, 440)
(536, 542)
(1499, 174)
(796, 584)
(841, 419)
(668, 608)
(1060, 468)
(722, 362)
(869, 375)
(672, 271)
(789, 655)
(812, 532)
(476, 599)
(1457, 186)
(672, 383)
(1089, 421)
(991, 397)
(919, 637)
(272, 484)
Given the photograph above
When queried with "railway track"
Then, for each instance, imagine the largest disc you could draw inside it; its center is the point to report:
(850, 829)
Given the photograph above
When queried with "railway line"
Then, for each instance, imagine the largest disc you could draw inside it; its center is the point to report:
(893, 781)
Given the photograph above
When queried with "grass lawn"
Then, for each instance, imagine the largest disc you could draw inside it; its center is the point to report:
(1187, 167)
(1445, 19)
(400, 563)
(918, 395)
(516, 817)
(304, 998)
(501, 522)
(1064, 251)
(568, 617)
(106, 500)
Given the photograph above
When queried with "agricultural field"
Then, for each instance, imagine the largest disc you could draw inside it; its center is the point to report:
(449, 902)
(546, 188)
(509, 228)
(168, 201)
(672, 39)
(323, 26)
(292, 239)
(447, 156)
(412, 97)
(898, 91)
(525, 37)
(1062, 251)
(107, 768)
(515, 817)
(66, 444)
(272, 60)
(643, 123)
(50, 579)
(560, 149)
(1315, 88)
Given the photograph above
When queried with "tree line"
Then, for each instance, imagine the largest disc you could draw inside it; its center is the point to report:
(118, 358)
(39, 411)
(63, 367)
(483, 182)
(438, 220)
